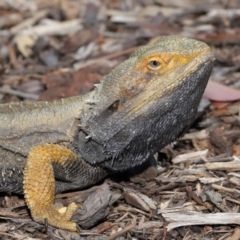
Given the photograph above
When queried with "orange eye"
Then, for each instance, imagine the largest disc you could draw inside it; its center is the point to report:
(154, 65)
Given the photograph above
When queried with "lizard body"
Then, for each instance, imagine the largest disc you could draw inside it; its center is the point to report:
(137, 109)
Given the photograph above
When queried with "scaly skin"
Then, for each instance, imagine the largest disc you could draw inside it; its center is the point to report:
(39, 177)
(137, 109)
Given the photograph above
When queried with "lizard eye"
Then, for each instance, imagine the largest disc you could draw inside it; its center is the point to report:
(154, 65)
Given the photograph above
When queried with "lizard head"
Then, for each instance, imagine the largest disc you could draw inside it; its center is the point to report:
(145, 103)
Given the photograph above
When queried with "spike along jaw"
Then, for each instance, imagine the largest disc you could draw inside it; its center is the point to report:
(145, 103)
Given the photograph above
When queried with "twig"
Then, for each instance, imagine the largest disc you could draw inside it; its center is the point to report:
(29, 21)
(40, 70)
(125, 230)
(225, 189)
(134, 210)
(197, 199)
(78, 66)
(19, 93)
(61, 29)
(12, 55)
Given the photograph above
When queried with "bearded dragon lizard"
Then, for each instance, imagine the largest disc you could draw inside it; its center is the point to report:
(141, 106)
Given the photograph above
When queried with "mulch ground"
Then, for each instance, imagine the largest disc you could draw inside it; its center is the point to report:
(190, 189)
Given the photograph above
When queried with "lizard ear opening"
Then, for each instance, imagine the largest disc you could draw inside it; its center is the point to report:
(115, 107)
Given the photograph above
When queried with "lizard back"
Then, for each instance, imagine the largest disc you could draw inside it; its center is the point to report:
(24, 125)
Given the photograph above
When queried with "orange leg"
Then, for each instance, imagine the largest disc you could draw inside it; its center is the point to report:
(39, 186)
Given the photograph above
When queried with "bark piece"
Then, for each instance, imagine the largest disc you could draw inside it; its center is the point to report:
(96, 207)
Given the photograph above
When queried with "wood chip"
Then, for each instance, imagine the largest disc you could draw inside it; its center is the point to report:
(226, 166)
(150, 224)
(196, 135)
(192, 156)
(29, 21)
(209, 180)
(60, 29)
(196, 218)
(225, 189)
(138, 200)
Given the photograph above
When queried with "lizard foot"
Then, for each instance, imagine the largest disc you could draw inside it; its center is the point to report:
(39, 186)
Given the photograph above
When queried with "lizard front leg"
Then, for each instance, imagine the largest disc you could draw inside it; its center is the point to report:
(39, 182)
(39, 185)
